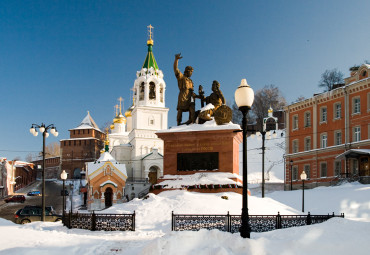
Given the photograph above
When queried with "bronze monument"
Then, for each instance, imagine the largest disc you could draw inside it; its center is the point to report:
(185, 101)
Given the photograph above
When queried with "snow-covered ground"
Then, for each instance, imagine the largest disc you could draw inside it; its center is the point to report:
(153, 226)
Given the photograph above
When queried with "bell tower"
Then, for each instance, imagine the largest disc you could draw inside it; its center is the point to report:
(149, 89)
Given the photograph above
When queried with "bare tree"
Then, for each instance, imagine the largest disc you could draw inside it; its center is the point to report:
(52, 150)
(29, 157)
(330, 78)
(268, 96)
(238, 116)
(300, 98)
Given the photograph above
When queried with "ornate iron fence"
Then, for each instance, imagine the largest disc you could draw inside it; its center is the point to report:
(232, 223)
(106, 222)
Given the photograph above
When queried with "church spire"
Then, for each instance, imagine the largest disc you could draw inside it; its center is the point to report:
(150, 60)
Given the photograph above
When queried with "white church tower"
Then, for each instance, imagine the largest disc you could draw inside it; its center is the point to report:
(149, 114)
(143, 154)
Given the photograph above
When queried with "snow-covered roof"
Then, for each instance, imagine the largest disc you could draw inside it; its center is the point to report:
(105, 159)
(353, 151)
(177, 181)
(106, 156)
(87, 123)
(209, 125)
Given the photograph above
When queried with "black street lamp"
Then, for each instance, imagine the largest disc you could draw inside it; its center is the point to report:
(303, 178)
(63, 176)
(244, 97)
(291, 174)
(71, 189)
(45, 134)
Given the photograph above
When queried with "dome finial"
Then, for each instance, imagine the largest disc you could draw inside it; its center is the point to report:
(150, 34)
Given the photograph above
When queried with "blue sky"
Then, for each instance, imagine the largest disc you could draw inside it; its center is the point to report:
(59, 59)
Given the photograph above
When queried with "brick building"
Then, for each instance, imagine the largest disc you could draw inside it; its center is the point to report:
(52, 168)
(84, 145)
(328, 135)
(15, 175)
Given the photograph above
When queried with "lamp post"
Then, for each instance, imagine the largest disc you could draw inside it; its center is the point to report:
(303, 178)
(63, 176)
(291, 174)
(44, 130)
(71, 189)
(244, 97)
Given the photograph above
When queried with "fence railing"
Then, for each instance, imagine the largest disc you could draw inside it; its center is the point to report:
(232, 223)
(106, 222)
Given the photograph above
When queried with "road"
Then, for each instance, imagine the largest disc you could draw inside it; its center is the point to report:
(52, 198)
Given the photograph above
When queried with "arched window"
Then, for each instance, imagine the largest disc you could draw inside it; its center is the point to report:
(141, 94)
(152, 90)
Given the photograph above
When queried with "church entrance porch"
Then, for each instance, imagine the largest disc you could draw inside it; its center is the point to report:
(108, 197)
(153, 174)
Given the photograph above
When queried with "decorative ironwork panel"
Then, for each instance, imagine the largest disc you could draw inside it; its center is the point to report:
(235, 223)
(288, 221)
(114, 222)
(82, 221)
(197, 222)
(262, 223)
(319, 218)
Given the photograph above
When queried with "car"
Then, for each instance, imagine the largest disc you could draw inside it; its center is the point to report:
(15, 198)
(32, 213)
(34, 193)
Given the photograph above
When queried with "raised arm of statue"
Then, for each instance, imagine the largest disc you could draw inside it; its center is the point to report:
(175, 65)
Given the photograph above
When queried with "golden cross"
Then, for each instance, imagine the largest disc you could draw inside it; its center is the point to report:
(150, 31)
(120, 104)
(116, 108)
(133, 95)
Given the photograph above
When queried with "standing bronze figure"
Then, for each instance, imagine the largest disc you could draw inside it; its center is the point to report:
(186, 97)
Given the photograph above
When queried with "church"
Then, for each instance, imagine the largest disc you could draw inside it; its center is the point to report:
(132, 139)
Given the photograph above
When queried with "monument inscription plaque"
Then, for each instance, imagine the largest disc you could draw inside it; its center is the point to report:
(197, 161)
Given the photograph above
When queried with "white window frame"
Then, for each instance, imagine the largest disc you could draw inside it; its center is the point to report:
(295, 122)
(323, 114)
(307, 169)
(324, 142)
(321, 170)
(368, 101)
(337, 111)
(295, 146)
(295, 173)
(336, 142)
(356, 109)
(307, 119)
(307, 148)
(337, 170)
(357, 133)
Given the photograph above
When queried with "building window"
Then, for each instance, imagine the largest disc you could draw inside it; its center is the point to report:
(323, 169)
(368, 101)
(295, 173)
(337, 168)
(307, 119)
(355, 166)
(338, 137)
(324, 141)
(356, 105)
(337, 110)
(295, 146)
(357, 134)
(307, 143)
(323, 114)
(295, 122)
(308, 171)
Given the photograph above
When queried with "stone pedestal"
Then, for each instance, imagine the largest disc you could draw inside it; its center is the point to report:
(203, 149)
